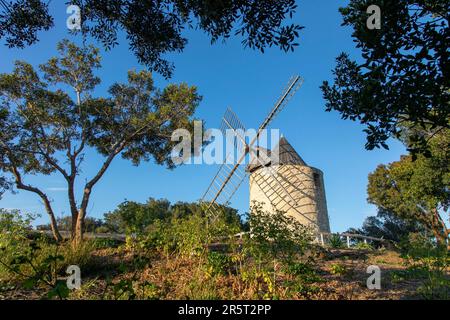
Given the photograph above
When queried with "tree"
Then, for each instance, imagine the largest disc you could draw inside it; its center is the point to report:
(21, 21)
(154, 27)
(404, 76)
(65, 224)
(388, 226)
(417, 191)
(45, 131)
(132, 216)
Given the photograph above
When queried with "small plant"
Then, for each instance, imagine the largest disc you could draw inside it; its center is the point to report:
(218, 263)
(363, 246)
(338, 269)
(38, 267)
(261, 283)
(429, 262)
(335, 242)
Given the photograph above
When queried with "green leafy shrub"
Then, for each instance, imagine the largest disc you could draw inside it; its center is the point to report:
(276, 236)
(34, 260)
(218, 263)
(335, 241)
(363, 246)
(338, 269)
(429, 262)
(305, 275)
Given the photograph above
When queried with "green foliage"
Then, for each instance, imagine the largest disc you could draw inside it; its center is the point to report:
(155, 28)
(276, 241)
(46, 131)
(38, 262)
(37, 266)
(363, 245)
(387, 225)
(139, 218)
(262, 282)
(218, 263)
(429, 262)
(132, 287)
(335, 242)
(14, 231)
(23, 20)
(403, 75)
(133, 217)
(65, 223)
(416, 190)
(338, 269)
(304, 272)
(276, 235)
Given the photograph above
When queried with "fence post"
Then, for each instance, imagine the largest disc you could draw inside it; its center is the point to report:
(348, 242)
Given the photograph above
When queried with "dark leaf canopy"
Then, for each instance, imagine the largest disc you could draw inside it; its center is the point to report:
(404, 74)
(155, 27)
(20, 21)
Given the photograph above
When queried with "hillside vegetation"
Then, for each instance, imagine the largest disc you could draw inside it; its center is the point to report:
(195, 257)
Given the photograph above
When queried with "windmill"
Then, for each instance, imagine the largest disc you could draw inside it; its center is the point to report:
(230, 177)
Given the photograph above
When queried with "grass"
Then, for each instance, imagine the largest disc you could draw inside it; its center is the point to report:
(121, 273)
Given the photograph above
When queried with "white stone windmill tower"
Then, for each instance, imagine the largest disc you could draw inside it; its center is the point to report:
(283, 183)
(304, 184)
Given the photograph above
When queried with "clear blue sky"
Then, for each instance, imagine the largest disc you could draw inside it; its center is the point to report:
(249, 82)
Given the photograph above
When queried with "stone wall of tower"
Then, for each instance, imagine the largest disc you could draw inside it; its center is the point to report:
(297, 190)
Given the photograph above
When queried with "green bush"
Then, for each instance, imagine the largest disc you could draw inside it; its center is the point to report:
(429, 262)
(15, 229)
(363, 246)
(335, 242)
(276, 236)
(338, 269)
(37, 261)
(218, 263)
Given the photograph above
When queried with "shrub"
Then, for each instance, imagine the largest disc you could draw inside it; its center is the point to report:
(338, 269)
(363, 246)
(429, 262)
(14, 231)
(276, 236)
(218, 263)
(335, 242)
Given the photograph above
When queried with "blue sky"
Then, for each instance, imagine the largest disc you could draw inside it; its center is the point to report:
(249, 82)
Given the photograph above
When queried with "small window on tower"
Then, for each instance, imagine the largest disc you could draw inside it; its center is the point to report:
(317, 180)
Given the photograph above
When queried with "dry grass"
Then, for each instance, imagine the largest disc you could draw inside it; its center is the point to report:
(187, 278)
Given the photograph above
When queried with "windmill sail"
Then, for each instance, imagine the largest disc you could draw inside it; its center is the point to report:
(229, 177)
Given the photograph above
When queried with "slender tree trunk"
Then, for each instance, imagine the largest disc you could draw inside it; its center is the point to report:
(73, 206)
(53, 223)
(81, 214)
(79, 228)
(43, 196)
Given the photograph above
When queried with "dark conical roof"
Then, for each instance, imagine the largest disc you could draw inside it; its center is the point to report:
(286, 155)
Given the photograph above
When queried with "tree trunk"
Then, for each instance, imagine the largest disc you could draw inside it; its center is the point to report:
(74, 225)
(79, 228)
(54, 227)
(53, 223)
(81, 214)
(43, 196)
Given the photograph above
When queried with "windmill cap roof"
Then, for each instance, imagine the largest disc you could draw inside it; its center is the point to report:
(287, 153)
(286, 156)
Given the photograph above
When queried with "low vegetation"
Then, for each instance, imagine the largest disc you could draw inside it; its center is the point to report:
(187, 255)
